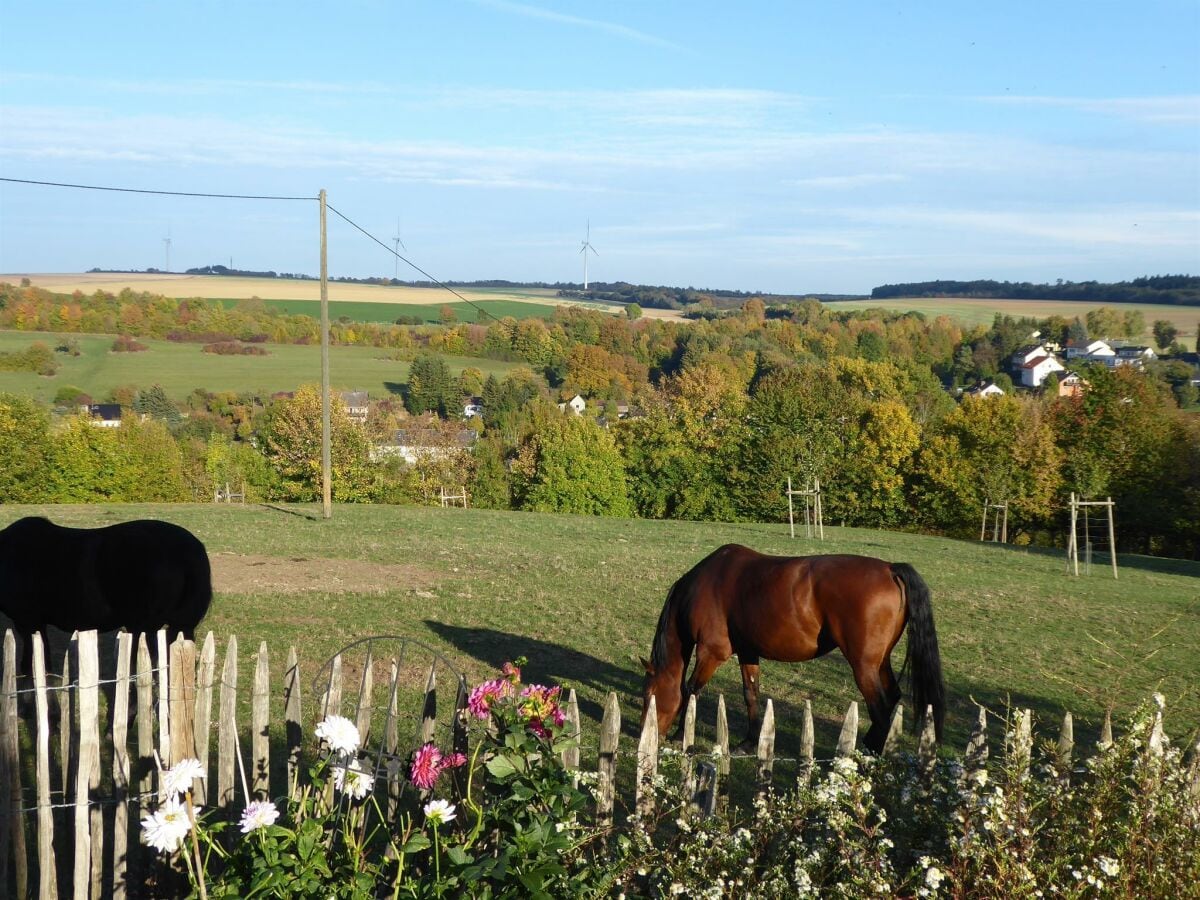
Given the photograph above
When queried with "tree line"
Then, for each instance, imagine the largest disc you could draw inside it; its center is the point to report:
(1181, 290)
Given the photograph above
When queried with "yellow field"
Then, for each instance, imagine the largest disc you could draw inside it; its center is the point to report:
(234, 288)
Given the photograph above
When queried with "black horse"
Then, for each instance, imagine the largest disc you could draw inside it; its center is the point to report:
(140, 576)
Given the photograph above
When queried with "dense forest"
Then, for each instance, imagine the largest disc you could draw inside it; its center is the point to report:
(692, 420)
(1181, 290)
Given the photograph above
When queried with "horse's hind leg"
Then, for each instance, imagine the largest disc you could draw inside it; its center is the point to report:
(879, 689)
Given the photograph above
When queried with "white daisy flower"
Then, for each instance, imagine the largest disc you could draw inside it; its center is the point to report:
(340, 734)
(166, 828)
(178, 779)
(353, 780)
(439, 812)
(258, 814)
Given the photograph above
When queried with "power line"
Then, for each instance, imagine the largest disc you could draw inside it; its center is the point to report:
(348, 220)
(440, 284)
(121, 190)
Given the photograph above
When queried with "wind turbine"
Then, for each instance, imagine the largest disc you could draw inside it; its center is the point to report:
(587, 245)
(167, 248)
(396, 245)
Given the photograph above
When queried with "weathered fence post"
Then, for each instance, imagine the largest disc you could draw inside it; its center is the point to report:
(294, 729)
(647, 765)
(331, 700)
(1066, 746)
(89, 750)
(975, 757)
(1020, 740)
(1106, 734)
(391, 741)
(891, 741)
(688, 748)
(164, 700)
(721, 787)
(705, 797)
(807, 742)
(366, 686)
(429, 708)
(145, 720)
(848, 737)
(227, 729)
(182, 674)
(260, 726)
(202, 719)
(766, 749)
(1158, 739)
(12, 823)
(47, 876)
(459, 735)
(120, 765)
(570, 756)
(610, 730)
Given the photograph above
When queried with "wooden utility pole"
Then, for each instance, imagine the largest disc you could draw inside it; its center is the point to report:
(326, 462)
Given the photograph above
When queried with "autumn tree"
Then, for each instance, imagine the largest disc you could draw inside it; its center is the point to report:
(569, 464)
(290, 439)
(25, 448)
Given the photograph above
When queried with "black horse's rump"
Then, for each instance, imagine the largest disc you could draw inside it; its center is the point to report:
(140, 576)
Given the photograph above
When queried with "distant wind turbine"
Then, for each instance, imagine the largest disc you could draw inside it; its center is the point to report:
(167, 248)
(587, 245)
(397, 244)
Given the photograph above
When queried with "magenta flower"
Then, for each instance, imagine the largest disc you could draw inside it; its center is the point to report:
(429, 762)
(426, 766)
(481, 699)
(539, 705)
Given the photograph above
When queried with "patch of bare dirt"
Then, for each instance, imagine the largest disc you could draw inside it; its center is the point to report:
(234, 573)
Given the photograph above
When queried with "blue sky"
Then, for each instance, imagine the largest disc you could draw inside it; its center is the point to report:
(776, 146)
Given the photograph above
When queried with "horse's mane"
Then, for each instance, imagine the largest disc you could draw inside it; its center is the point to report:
(675, 598)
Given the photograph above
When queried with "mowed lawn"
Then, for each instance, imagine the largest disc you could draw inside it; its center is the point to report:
(180, 368)
(580, 597)
(983, 311)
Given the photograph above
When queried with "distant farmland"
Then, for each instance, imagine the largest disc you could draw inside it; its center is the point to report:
(180, 368)
(981, 312)
(517, 302)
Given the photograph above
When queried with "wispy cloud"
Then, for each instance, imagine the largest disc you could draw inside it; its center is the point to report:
(1173, 110)
(840, 182)
(536, 12)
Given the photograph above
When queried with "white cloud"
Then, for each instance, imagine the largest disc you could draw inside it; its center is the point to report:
(536, 12)
(1171, 110)
(838, 182)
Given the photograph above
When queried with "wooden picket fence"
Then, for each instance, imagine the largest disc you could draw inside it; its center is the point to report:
(70, 800)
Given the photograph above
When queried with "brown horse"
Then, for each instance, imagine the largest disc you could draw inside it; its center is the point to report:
(793, 609)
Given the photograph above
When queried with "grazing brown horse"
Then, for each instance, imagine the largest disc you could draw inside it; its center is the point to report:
(793, 609)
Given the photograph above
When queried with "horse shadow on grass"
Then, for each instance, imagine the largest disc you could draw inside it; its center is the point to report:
(553, 663)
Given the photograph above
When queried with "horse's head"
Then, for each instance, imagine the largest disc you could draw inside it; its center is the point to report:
(665, 688)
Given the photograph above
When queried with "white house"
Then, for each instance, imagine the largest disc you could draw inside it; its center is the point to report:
(356, 405)
(576, 404)
(1137, 355)
(1034, 372)
(1028, 353)
(473, 408)
(1097, 350)
(412, 444)
(986, 388)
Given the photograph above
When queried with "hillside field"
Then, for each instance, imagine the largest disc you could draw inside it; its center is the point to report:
(180, 368)
(580, 597)
(243, 288)
(982, 311)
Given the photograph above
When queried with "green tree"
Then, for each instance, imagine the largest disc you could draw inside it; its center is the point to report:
(569, 464)
(633, 311)
(154, 402)
(430, 387)
(152, 464)
(990, 448)
(290, 439)
(1164, 333)
(489, 487)
(25, 448)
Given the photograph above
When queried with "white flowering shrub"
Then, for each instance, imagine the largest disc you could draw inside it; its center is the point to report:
(1125, 823)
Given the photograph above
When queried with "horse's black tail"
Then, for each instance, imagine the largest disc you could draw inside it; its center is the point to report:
(928, 688)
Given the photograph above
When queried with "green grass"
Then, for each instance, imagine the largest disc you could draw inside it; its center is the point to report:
(386, 313)
(180, 368)
(580, 597)
(983, 311)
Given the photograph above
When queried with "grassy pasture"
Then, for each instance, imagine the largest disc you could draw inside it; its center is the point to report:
(360, 311)
(180, 368)
(580, 597)
(981, 312)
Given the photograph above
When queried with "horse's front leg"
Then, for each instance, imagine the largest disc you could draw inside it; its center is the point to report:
(750, 695)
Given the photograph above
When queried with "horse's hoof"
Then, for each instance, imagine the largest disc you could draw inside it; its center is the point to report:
(746, 746)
